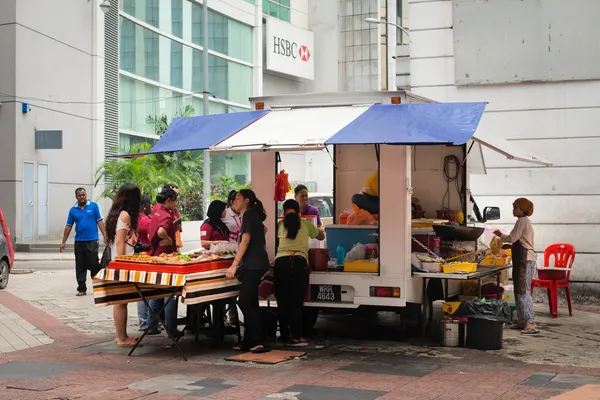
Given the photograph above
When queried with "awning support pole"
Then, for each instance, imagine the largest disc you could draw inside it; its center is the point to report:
(205, 105)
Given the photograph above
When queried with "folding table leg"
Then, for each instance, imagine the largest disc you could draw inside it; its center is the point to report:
(156, 317)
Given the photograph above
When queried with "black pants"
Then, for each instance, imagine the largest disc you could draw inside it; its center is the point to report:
(86, 258)
(291, 281)
(248, 302)
(366, 202)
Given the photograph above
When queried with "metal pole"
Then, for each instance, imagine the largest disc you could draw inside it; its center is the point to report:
(205, 103)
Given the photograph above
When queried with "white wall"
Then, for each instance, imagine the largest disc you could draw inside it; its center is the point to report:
(557, 121)
(54, 62)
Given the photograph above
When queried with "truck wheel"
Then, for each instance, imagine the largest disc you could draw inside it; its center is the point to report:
(426, 315)
(309, 319)
(4, 272)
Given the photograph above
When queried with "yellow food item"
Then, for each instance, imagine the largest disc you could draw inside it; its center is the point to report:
(460, 218)
(496, 245)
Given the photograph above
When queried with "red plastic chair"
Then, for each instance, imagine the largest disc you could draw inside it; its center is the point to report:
(557, 276)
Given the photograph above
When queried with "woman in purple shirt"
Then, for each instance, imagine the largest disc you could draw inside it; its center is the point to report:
(301, 196)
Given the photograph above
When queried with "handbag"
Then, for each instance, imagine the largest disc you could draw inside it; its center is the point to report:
(104, 261)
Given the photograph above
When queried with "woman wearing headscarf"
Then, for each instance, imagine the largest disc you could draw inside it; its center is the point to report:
(524, 264)
(214, 230)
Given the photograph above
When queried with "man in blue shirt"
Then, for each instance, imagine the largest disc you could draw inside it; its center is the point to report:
(86, 217)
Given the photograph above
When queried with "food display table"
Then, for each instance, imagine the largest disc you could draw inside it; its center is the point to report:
(481, 273)
(124, 282)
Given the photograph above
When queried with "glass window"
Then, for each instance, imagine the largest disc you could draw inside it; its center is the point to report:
(127, 45)
(126, 141)
(227, 79)
(402, 20)
(176, 64)
(138, 101)
(146, 11)
(277, 8)
(177, 18)
(225, 35)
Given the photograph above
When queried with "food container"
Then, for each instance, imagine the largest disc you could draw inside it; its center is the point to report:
(459, 267)
(428, 266)
(318, 259)
(494, 261)
(364, 266)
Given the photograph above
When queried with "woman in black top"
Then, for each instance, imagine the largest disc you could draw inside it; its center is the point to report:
(250, 265)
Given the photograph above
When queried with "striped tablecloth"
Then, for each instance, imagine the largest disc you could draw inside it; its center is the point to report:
(114, 285)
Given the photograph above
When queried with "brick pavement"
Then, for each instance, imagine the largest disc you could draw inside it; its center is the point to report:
(78, 365)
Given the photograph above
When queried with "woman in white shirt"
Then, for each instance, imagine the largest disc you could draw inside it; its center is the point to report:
(524, 264)
(122, 235)
(232, 218)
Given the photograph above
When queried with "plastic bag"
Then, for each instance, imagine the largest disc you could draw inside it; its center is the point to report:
(360, 217)
(282, 186)
(491, 310)
(223, 247)
(358, 252)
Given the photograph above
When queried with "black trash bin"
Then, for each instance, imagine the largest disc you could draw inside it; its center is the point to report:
(485, 329)
(483, 334)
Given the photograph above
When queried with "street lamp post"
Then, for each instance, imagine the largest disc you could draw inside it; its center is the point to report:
(378, 21)
(205, 105)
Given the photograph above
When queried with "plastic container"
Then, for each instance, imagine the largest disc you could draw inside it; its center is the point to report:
(464, 267)
(493, 261)
(365, 266)
(340, 253)
(450, 306)
(348, 236)
(484, 334)
(318, 259)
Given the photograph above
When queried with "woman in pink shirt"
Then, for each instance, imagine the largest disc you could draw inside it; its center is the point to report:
(213, 230)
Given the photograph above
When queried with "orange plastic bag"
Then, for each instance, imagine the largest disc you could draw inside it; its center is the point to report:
(282, 186)
(360, 217)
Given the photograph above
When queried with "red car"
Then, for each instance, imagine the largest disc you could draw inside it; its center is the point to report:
(7, 253)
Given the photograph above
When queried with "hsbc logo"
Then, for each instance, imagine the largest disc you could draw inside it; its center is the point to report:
(290, 49)
(304, 53)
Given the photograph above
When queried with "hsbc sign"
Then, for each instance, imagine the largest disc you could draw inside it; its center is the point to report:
(289, 49)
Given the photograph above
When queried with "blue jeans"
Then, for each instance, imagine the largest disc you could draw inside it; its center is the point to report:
(142, 312)
(170, 317)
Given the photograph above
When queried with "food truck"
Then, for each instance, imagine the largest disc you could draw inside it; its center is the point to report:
(422, 150)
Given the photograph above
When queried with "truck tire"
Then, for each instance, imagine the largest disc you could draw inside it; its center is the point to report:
(309, 319)
(4, 273)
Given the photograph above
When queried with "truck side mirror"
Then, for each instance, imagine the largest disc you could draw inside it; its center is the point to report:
(491, 214)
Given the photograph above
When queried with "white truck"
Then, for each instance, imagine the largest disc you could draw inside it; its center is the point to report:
(420, 148)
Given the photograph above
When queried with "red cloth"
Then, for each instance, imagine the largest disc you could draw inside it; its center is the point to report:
(208, 233)
(162, 217)
(143, 226)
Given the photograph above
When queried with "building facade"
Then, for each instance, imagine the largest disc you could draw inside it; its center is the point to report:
(535, 63)
(98, 74)
(50, 80)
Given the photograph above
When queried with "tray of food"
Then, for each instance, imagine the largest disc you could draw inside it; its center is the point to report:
(460, 267)
(167, 259)
(427, 263)
(171, 269)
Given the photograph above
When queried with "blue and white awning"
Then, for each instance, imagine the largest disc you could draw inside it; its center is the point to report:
(313, 128)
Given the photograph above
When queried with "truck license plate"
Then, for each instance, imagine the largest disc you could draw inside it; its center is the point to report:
(326, 293)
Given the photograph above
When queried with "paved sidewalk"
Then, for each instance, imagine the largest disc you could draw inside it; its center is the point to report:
(82, 361)
(18, 334)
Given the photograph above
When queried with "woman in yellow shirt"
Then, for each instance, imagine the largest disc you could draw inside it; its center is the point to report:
(291, 271)
(368, 199)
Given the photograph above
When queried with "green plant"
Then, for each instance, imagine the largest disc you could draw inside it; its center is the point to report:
(221, 189)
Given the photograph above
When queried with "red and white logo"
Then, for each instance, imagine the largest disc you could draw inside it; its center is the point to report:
(304, 53)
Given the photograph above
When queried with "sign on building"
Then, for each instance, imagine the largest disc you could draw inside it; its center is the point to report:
(289, 49)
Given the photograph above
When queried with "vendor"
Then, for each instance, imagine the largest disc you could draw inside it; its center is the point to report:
(368, 199)
(163, 225)
(214, 230)
(524, 264)
(301, 196)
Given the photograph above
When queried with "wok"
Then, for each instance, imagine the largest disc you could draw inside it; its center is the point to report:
(459, 233)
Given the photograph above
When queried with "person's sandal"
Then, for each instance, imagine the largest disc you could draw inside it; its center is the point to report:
(529, 331)
(260, 349)
(130, 342)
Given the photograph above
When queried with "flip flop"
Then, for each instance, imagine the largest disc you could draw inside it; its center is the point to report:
(260, 349)
(529, 331)
(130, 343)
